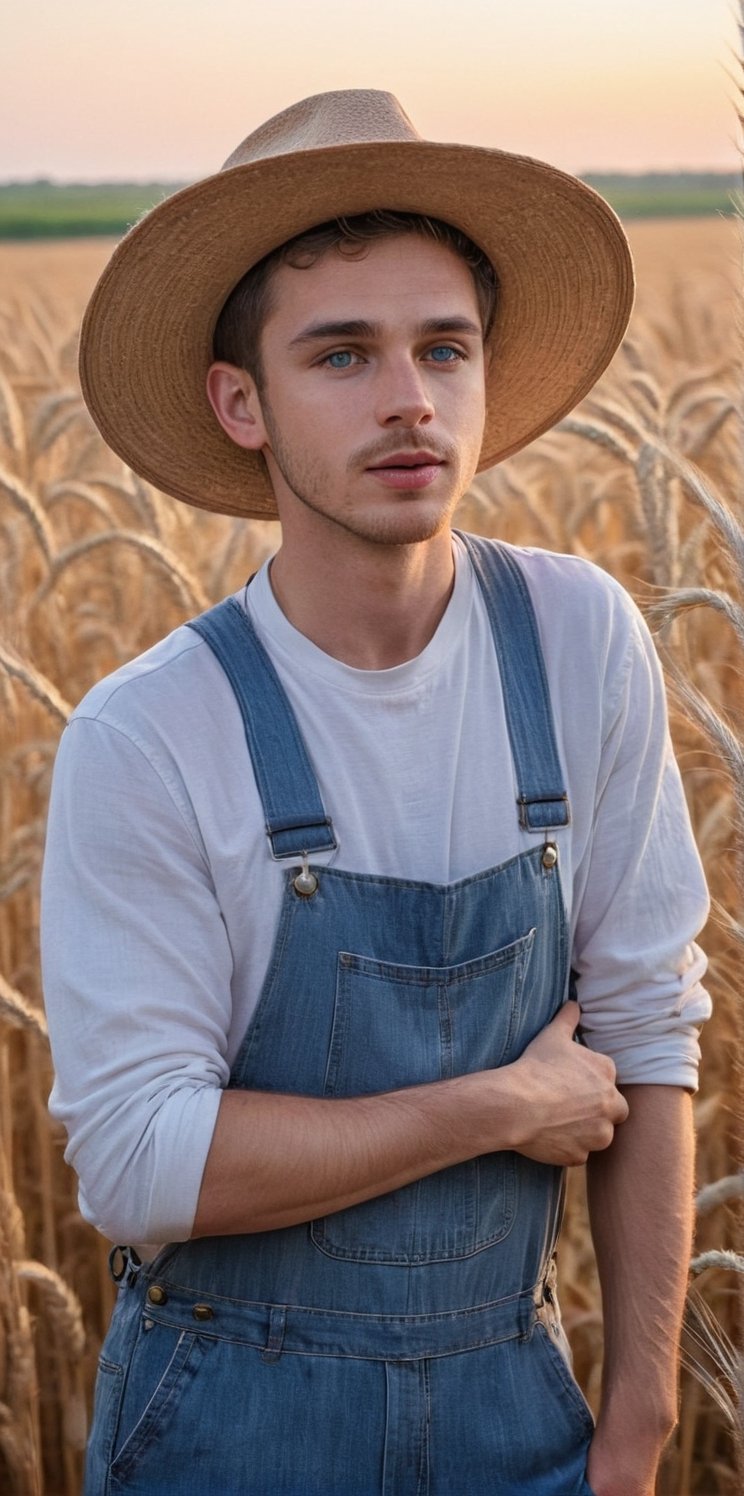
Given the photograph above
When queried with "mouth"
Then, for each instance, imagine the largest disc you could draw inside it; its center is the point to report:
(408, 470)
(407, 460)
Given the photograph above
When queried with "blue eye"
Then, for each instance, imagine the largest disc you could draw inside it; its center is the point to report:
(443, 354)
(341, 360)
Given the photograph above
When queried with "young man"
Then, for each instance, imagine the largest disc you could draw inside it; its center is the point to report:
(327, 869)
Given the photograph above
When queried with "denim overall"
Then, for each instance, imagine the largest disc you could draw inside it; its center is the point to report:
(410, 1345)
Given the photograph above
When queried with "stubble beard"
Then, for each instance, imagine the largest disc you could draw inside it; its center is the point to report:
(410, 524)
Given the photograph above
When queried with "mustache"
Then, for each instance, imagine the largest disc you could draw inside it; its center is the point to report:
(378, 451)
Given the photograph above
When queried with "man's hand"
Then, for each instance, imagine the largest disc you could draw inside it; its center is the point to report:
(277, 1160)
(566, 1102)
(624, 1459)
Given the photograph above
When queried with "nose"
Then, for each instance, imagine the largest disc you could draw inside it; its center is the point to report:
(403, 397)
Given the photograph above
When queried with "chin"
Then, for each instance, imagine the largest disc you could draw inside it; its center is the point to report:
(410, 523)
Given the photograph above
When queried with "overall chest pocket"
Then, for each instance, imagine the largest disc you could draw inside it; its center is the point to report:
(396, 1026)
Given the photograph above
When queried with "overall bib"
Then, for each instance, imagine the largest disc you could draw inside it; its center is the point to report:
(410, 1345)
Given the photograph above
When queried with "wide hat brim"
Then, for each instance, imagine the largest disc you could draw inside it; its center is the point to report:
(562, 259)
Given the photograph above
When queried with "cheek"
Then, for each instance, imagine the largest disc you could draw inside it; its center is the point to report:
(310, 411)
(470, 415)
(467, 430)
(300, 423)
(465, 396)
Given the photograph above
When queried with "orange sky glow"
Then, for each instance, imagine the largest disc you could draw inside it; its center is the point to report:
(163, 89)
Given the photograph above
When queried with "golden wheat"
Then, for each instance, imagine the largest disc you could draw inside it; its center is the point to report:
(94, 566)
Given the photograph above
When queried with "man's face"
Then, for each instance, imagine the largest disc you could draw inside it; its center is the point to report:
(372, 404)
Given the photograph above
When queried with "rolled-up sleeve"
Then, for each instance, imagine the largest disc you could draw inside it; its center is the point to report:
(137, 968)
(643, 897)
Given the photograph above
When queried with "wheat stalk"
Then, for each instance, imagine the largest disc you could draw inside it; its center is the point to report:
(188, 590)
(62, 1305)
(25, 502)
(41, 689)
(16, 1010)
(722, 1192)
(725, 1383)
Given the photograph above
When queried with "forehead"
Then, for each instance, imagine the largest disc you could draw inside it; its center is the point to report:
(401, 276)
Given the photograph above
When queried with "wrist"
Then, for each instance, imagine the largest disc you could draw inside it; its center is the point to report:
(620, 1464)
(646, 1420)
(484, 1111)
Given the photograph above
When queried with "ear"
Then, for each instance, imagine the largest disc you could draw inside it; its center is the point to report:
(233, 396)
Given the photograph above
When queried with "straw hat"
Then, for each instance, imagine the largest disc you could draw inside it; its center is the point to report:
(560, 254)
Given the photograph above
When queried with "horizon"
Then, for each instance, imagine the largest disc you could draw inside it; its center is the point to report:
(177, 183)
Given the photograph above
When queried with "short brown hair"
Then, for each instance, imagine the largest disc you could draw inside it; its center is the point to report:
(237, 335)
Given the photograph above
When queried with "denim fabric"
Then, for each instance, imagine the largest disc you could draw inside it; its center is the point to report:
(411, 1345)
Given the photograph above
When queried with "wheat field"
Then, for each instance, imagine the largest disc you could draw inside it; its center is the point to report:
(95, 566)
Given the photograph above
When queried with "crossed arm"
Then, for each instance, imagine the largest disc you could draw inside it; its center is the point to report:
(300, 1157)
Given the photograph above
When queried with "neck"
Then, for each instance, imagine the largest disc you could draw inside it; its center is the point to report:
(372, 606)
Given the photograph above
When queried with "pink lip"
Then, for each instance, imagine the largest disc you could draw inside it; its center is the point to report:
(407, 459)
(407, 477)
(408, 470)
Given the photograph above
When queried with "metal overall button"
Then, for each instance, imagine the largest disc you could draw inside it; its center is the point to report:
(305, 883)
(550, 855)
(202, 1311)
(157, 1295)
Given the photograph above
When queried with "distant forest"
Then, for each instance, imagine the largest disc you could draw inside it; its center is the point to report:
(662, 194)
(48, 210)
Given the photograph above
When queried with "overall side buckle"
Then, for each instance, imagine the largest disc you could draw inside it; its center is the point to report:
(125, 1265)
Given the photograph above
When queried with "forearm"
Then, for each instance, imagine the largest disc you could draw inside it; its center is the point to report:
(640, 1199)
(276, 1160)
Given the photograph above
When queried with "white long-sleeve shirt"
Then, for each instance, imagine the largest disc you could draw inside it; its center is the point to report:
(160, 897)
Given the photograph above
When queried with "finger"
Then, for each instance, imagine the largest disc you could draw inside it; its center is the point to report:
(567, 1017)
(621, 1109)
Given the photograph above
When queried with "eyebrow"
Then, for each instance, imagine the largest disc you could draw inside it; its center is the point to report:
(317, 332)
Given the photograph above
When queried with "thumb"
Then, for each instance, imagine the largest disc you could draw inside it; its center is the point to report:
(568, 1017)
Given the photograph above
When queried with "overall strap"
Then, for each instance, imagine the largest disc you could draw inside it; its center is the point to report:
(542, 800)
(296, 821)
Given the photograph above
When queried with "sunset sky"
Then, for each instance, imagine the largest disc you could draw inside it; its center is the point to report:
(164, 89)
